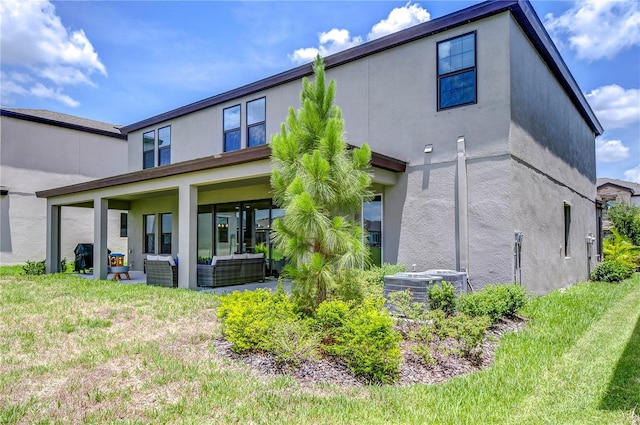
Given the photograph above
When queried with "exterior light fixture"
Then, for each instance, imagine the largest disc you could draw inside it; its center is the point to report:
(428, 148)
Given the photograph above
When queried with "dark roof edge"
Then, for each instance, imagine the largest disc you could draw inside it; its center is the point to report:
(226, 159)
(41, 120)
(521, 9)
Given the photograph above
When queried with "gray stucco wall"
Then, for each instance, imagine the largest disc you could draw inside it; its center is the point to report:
(555, 152)
(37, 157)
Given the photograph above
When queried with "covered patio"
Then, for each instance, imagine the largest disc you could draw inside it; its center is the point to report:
(175, 195)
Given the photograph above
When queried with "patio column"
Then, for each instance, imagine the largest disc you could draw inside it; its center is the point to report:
(52, 264)
(187, 235)
(100, 253)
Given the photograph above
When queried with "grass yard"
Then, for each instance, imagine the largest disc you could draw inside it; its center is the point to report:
(80, 351)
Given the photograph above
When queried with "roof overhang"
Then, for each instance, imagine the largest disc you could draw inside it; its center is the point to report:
(520, 9)
(225, 160)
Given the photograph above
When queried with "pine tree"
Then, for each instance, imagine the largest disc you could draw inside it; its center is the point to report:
(320, 184)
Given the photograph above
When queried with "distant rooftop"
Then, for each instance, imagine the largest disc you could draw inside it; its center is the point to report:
(44, 116)
(635, 187)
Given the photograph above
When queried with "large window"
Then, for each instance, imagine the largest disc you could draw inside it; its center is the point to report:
(372, 226)
(457, 71)
(149, 222)
(164, 145)
(256, 122)
(148, 149)
(231, 126)
(165, 233)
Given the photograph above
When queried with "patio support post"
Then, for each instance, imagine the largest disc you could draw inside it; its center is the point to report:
(100, 253)
(52, 264)
(187, 235)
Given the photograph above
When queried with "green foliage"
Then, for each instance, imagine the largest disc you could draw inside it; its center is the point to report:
(362, 336)
(319, 183)
(494, 301)
(375, 274)
(402, 303)
(34, 268)
(423, 351)
(443, 297)
(292, 341)
(612, 271)
(250, 317)
(619, 248)
(626, 220)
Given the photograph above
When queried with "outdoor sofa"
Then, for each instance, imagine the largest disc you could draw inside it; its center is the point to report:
(233, 269)
(161, 271)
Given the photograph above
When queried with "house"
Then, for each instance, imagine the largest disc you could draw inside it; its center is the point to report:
(484, 157)
(43, 149)
(612, 191)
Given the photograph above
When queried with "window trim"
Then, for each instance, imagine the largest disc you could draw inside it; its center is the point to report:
(238, 129)
(257, 123)
(474, 68)
(153, 150)
(145, 234)
(163, 148)
(162, 233)
(567, 229)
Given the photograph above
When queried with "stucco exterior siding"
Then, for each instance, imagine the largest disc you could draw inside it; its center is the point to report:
(546, 128)
(539, 214)
(38, 156)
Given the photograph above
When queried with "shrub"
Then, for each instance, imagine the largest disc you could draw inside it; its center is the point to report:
(611, 271)
(34, 268)
(402, 303)
(362, 336)
(249, 318)
(468, 331)
(494, 301)
(292, 341)
(443, 297)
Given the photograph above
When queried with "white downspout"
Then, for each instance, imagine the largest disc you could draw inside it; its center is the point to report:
(463, 207)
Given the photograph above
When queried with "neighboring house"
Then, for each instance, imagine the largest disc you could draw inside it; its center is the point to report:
(40, 150)
(612, 191)
(480, 134)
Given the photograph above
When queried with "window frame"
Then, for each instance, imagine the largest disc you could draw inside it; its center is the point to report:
(474, 68)
(161, 229)
(237, 129)
(567, 229)
(124, 225)
(262, 123)
(147, 235)
(164, 148)
(146, 152)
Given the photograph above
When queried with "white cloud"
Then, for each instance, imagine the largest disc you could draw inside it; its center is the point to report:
(611, 150)
(333, 41)
(43, 92)
(597, 29)
(615, 106)
(337, 40)
(35, 44)
(633, 175)
(399, 19)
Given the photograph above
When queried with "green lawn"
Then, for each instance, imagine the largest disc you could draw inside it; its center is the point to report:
(80, 351)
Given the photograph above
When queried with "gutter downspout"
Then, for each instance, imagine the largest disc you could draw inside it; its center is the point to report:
(463, 208)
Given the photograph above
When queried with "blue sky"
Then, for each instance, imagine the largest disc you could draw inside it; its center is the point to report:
(122, 61)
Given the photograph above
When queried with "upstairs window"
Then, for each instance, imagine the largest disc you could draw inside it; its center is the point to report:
(231, 128)
(457, 71)
(164, 145)
(148, 149)
(256, 122)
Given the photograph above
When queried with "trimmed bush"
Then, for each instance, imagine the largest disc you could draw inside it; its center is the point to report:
(362, 336)
(611, 271)
(443, 297)
(249, 318)
(493, 301)
(402, 304)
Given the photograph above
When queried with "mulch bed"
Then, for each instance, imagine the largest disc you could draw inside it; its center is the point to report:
(413, 369)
